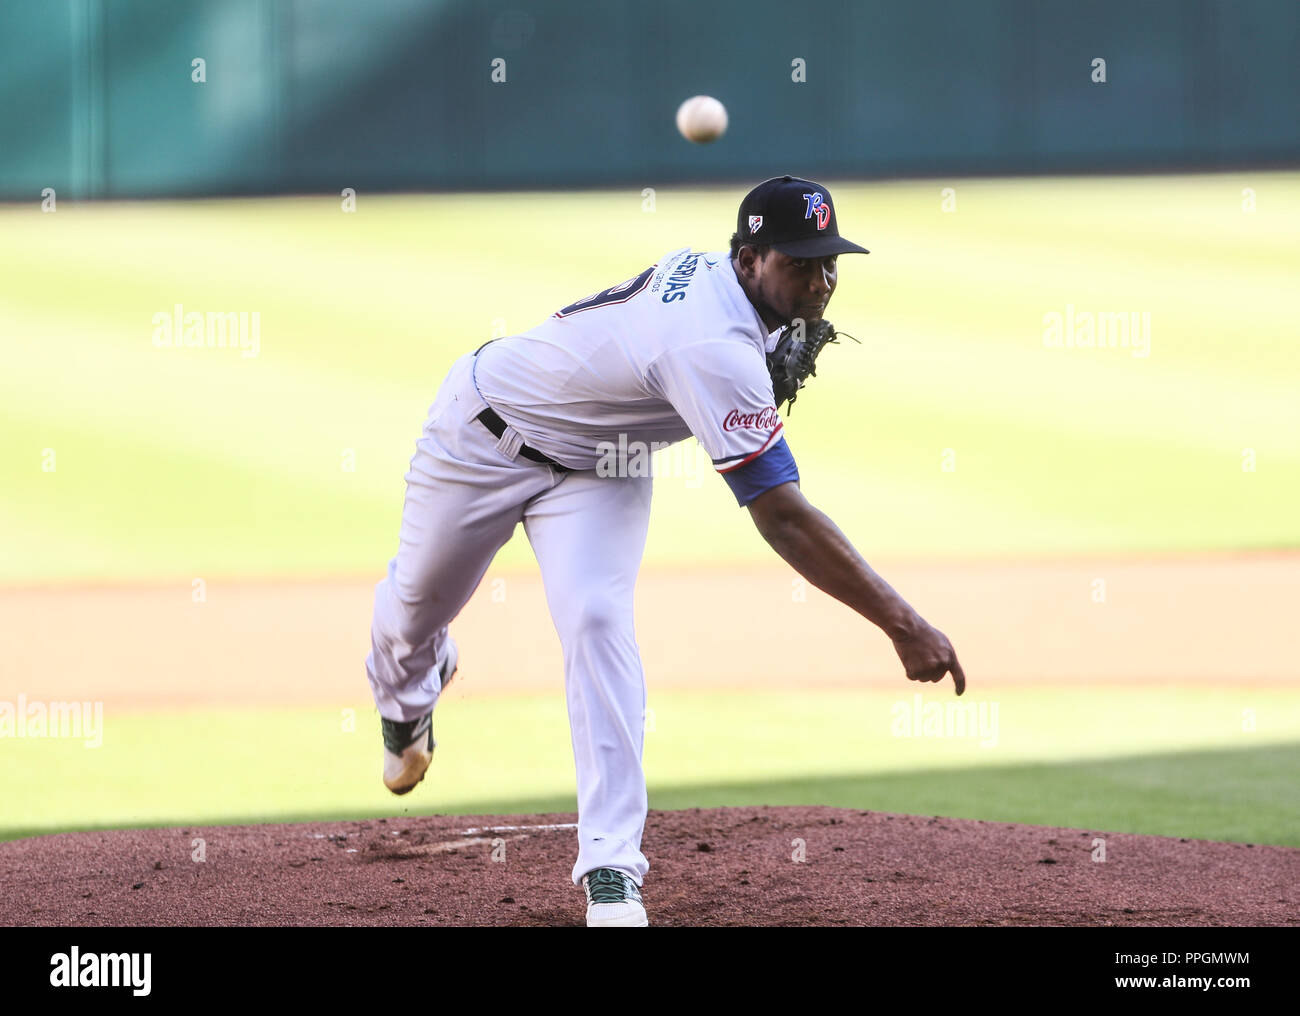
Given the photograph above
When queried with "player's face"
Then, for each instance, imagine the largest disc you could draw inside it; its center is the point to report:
(797, 287)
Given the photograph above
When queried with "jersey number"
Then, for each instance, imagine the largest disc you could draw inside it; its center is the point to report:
(621, 293)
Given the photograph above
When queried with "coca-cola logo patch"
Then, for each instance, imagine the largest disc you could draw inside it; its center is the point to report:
(764, 419)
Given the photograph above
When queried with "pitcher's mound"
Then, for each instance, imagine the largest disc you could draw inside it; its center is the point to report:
(727, 866)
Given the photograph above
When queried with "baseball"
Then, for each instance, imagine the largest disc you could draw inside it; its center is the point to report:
(702, 119)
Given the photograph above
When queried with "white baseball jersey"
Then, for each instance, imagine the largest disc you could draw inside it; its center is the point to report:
(677, 350)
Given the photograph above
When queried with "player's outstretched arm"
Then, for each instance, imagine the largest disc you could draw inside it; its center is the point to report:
(814, 546)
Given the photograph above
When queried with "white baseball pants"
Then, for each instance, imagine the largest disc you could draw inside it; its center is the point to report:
(465, 492)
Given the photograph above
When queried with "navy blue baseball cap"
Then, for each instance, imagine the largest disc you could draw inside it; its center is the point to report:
(794, 216)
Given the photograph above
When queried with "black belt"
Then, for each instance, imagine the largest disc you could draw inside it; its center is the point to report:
(497, 426)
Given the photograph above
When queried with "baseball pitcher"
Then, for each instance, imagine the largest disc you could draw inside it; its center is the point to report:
(709, 344)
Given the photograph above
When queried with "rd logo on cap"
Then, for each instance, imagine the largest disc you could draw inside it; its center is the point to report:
(755, 223)
(817, 205)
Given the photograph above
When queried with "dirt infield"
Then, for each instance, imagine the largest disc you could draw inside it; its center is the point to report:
(251, 643)
(297, 643)
(730, 866)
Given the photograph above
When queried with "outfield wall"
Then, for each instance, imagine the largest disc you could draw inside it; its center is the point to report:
(99, 96)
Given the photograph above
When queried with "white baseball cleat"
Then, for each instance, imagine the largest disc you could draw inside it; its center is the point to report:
(408, 747)
(613, 900)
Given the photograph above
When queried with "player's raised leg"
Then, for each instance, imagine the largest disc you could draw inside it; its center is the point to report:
(463, 500)
(589, 534)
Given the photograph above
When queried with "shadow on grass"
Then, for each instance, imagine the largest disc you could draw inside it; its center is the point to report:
(1241, 795)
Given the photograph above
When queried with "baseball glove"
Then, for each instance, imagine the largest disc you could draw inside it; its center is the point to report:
(794, 359)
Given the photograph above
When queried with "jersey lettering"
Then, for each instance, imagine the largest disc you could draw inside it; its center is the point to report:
(680, 279)
(621, 293)
(764, 419)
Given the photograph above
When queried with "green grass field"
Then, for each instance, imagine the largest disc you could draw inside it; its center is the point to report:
(174, 462)
(1104, 758)
(122, 461)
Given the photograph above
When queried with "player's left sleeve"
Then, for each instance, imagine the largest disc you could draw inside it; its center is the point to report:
(761, 472)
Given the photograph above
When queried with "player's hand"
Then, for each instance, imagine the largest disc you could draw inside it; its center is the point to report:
(927, 655)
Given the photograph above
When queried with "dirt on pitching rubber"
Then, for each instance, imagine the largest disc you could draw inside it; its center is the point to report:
(728, 866)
